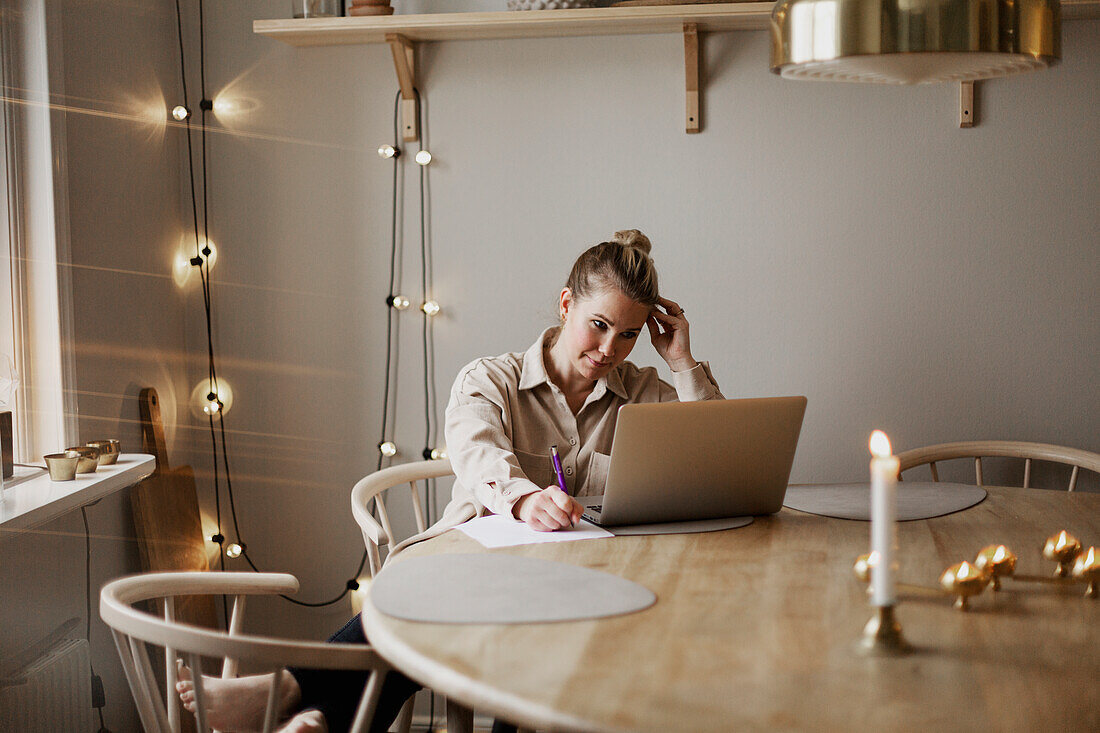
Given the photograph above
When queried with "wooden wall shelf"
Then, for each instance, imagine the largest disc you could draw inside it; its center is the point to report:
(518, 24)
(689, 20)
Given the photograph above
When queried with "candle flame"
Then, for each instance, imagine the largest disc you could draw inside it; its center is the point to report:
(964, 570)
(1090, 558)
(1063, 540)
(999, 553)
(879, 444)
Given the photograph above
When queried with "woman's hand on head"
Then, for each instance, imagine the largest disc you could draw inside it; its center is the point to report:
(548, 510)
(668, 329)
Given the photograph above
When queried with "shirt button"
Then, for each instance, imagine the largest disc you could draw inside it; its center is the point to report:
(569, 471)
(572, 441)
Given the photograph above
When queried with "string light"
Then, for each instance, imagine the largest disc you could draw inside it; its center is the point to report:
(388, 151)
(210, 399)
(400, 302)
(213, 405)
(430, 308)
(180, 113)
(233, 550)
(438, 454)
(423, 157)
(388, 449)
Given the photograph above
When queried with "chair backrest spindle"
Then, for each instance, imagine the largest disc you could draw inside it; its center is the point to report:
(935, 472)
(978, 470)
(379, 502)
(236, 621)
(272, 700)
(194, 661)
(1073, 478)
(1027, 473)
(418, 510)
(170, 671)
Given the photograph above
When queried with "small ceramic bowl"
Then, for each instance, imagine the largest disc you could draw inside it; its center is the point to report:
(62, 466)
(108, 450)
(89, 458)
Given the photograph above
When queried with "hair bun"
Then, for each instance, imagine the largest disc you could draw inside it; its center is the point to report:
(633, 238)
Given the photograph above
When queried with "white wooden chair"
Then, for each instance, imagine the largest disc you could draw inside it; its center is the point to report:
(135, 630)
(368, 497)
(1001, 449)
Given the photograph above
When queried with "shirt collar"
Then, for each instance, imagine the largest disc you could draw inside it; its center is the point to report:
(533, 371)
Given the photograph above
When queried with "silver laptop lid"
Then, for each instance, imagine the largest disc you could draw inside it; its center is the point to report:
(677, 461)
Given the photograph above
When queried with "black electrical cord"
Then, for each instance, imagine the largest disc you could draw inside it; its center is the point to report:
(88, 609)
(202, 262)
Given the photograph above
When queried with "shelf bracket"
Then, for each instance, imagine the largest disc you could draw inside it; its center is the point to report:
(691, 76)
(966, 104)
(404, 63)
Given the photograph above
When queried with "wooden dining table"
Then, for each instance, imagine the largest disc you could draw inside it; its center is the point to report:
(758, 627)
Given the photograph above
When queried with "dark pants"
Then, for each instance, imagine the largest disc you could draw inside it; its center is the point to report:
(336, 692)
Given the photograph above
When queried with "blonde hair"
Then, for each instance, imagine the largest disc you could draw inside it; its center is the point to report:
(623, 263)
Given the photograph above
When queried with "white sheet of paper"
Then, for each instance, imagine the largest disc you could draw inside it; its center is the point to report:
(497, 530)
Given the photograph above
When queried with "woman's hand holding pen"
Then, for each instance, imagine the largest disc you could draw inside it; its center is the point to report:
(548, 510)
(668, 329)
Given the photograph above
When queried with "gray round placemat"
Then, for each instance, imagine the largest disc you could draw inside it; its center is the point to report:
(916, 499)
(501, 589)
(699, 525)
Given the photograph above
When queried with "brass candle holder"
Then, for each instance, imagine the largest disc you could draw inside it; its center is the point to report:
(1062, 548)
(109, 450)
(963, 580)
(882, 635)
(89, 458)
(62, 466)
(996, 561)
(1087, 568)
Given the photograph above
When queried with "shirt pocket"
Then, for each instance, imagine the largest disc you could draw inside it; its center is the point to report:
(598, 464)
(536, 467)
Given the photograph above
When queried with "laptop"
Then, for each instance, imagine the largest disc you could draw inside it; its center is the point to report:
(684, 461)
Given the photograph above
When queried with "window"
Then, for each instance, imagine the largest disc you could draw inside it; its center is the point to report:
(34, 315)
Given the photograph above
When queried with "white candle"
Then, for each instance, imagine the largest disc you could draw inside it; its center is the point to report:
(884, 514)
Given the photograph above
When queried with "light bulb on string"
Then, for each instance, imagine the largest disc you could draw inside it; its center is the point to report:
(211, 400)
(430, 308)
(180, 113)
(400, 302)
(187, 261)
(388, 151)
(438, 454)
(388, 449)
(423, 157)
(233, 550)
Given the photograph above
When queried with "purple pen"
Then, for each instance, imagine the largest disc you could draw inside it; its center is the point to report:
(557, 468)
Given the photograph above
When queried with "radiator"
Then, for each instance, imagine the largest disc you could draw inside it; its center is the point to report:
(51, 694)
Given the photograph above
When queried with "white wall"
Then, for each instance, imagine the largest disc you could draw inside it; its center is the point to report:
(848, 243)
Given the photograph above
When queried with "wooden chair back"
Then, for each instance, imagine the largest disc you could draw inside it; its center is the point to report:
(137, 633)
(368, 503)
(1002, 449)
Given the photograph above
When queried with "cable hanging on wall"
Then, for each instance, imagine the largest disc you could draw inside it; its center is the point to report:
(215, 407)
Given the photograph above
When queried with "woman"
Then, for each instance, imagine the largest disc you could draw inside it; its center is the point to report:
(503, 415)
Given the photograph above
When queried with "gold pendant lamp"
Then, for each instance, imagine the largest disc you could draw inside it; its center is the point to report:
(913, 41)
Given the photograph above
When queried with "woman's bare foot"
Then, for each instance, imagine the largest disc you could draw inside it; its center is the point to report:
(307, 721)
(238, 704)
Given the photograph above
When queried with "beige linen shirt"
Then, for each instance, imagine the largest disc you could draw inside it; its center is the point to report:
(504, 414)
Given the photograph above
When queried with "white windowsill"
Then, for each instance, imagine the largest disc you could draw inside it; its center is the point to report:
(31, 499)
